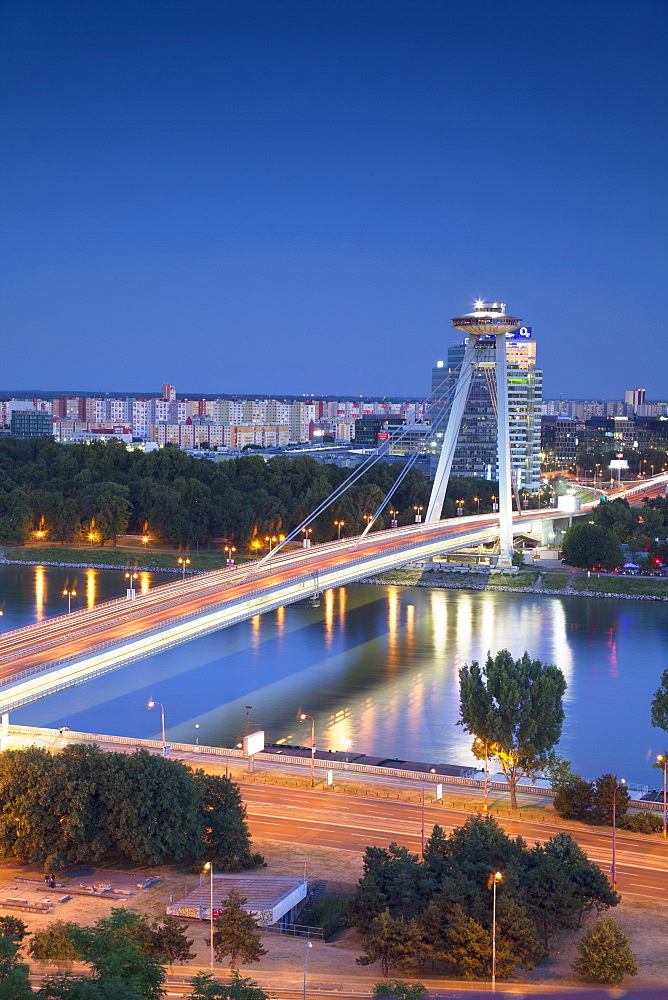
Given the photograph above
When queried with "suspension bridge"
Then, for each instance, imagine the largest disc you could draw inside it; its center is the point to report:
(52, 655)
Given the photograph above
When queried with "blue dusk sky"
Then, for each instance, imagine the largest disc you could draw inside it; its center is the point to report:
(286, 196)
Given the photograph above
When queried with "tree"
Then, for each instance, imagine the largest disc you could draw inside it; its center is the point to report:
(515, 707)
(14, 982)
(205, 987)
(400, 988)
(225, 840)
(236, 932)
(659, 716)
(604, 954)
(606, 790)
(115, 953)
(394, 942)
(170, 940)
(13, 927)
(107, 503)
(589, 545)
(57, 944)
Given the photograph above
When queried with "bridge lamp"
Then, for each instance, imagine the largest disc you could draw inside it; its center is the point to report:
(152, 704)
(338, 525)
(418, 514)
(69, 594)
(183, 563)
(394, 514)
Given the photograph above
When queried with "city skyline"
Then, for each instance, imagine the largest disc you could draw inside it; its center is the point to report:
(258, 191)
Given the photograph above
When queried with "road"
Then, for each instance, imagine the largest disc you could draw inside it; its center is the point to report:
(349, 823)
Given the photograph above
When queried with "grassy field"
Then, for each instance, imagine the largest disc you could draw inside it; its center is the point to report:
(524, 578)
(641, 586)
(554, 581)
(109, 556)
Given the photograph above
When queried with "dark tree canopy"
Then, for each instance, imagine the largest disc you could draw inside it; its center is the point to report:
(83, 802)
(589, 546)
(438, 910)
(514, 708)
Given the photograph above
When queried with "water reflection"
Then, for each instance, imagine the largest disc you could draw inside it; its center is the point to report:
(377, 667)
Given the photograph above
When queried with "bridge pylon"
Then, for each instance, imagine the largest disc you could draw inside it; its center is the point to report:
(489, 322)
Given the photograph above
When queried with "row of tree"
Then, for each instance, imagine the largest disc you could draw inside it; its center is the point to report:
(126, 955)
(103, 490)
(598, 542)
(439, 910)
(80, 804)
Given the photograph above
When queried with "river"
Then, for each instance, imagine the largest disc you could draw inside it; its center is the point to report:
(375, 665)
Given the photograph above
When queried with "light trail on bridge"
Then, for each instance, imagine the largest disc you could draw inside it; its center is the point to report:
(56, 653)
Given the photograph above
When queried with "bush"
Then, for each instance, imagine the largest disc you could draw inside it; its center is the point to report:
(642, 822)
(604, 954)
(327, 913)
(400, 988)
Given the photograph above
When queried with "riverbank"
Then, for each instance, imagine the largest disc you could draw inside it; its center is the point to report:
(530, 581)
(122, 558)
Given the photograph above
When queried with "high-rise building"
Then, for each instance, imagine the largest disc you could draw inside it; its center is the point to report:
(634, 398)
(476, 453)
(30, 424)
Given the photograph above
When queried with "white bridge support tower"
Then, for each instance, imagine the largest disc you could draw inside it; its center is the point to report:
(490, 321)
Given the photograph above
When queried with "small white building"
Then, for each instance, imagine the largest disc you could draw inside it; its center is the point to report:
(270, 898)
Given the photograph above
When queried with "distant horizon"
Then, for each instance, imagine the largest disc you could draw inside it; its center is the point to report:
(297, 397)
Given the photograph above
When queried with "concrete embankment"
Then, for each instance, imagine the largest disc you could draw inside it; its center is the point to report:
(574, 585)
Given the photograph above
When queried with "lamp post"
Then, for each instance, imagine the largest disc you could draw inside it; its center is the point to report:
(433, 771)
(183, 563)
(209, 867)
(197, 734)
(485, 744)
(131, 590)
(497, 876)
(338, 525)
(477, 500)
(229, 557)
(309, 945)
(91, 538)
(662, 759)
(69, 594)
(152, 704)
(394, 515)
(618, 784)
(418, 514)
(304, 716)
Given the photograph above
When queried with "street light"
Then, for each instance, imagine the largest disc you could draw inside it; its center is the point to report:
(418, 514)
(152, 704)
(131, 590)
(662, 759)
(338, 525)
(433, 771)
(91, 538)
(229, 559)
(460, 507)
(209, 867)
(145, 540)
(496, 877)
(183, 563)
(303, 716)
(484, 744)
(477, 500)
(613, 870)
(394, 515)
(309, 945)
(197, 734)
(69, 594)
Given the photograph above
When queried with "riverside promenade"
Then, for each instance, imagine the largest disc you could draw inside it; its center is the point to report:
(330, 767)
